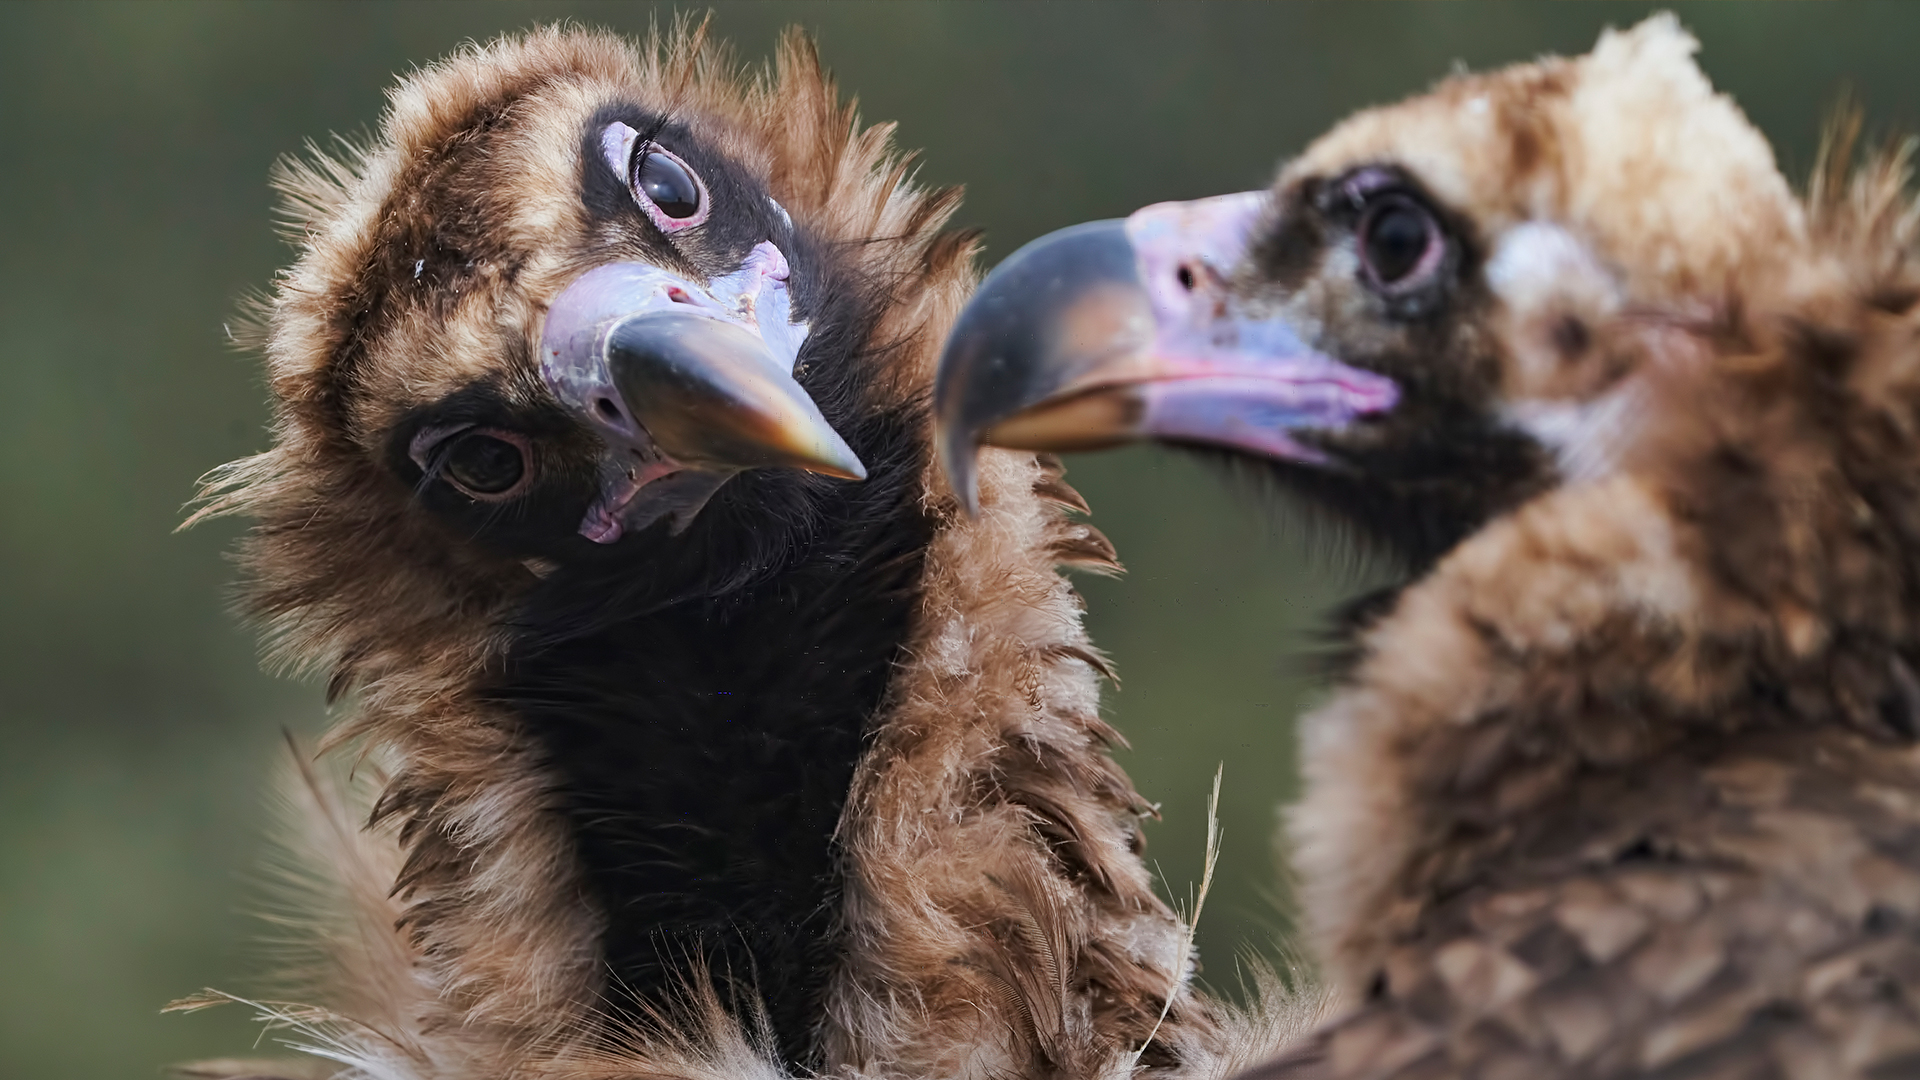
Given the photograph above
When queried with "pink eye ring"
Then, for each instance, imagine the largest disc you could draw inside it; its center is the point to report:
(1400, 244)
(663, 185)
(484, 464)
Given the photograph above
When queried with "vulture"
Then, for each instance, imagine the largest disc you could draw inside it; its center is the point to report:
(689, 727)
(1623, 778)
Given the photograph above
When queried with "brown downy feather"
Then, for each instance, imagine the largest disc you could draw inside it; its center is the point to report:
(1629, 784)
(996, 918)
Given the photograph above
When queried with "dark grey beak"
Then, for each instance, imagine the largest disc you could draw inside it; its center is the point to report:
(698, 374)
(1116, 331)
(1056, 317)
(710, 395)
(689, 383)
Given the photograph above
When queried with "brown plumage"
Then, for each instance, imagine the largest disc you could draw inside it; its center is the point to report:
(1624, 781)
(809, 775)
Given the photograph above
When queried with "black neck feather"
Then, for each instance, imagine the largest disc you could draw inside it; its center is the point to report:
(703, 737)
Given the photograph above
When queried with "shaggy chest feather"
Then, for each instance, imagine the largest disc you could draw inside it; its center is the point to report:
(702, 753)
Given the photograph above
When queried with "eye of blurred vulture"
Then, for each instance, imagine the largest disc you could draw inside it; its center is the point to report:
(1399, 244)
(485, 465)
(667, 182)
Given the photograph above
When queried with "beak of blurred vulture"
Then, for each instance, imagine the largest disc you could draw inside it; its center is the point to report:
(1116, 331)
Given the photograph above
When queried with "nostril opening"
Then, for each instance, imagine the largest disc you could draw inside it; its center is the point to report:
(1185, 276)
(678, 295)
(608, 410)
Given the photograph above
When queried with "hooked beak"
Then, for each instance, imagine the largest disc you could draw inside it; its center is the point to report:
(1118, 331)
(687, 383)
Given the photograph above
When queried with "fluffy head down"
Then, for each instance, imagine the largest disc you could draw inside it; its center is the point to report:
(1628, 147)
(1575, 206)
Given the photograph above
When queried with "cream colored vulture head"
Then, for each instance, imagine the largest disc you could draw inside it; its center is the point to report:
(1429, 316)
(1624, 777)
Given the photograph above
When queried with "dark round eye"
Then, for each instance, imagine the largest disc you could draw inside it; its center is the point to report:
(1400, 243)
(668, 184)
(484, 464)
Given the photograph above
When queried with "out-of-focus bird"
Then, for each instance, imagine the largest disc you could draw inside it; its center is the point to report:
(1624, 779)
(602, 487)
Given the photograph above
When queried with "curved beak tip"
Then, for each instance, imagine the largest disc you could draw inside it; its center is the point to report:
(835, 459)
(1059, 309)
(711, 394)
(957, 450)
(794, 434)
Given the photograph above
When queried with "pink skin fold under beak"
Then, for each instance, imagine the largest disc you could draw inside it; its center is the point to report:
(1114, 331)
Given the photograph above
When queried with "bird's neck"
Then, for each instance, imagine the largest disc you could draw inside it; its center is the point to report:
(702, 753)
(1679, 608)
(1558, 639)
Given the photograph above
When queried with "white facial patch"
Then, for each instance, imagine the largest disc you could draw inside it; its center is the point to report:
(1540, 269)
(1554, 294)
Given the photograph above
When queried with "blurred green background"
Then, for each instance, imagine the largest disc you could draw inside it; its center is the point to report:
(135, 728)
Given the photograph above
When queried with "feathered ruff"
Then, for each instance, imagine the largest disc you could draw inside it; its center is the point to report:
(340, 939)
(998, 919)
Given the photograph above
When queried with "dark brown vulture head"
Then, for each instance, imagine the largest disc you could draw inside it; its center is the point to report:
(598, 389)
(601, 487)
(581, 313)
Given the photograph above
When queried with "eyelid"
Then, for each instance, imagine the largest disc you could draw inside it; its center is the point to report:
(1365, 183)
(430, 438)
(624, 151)
(425, 450)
